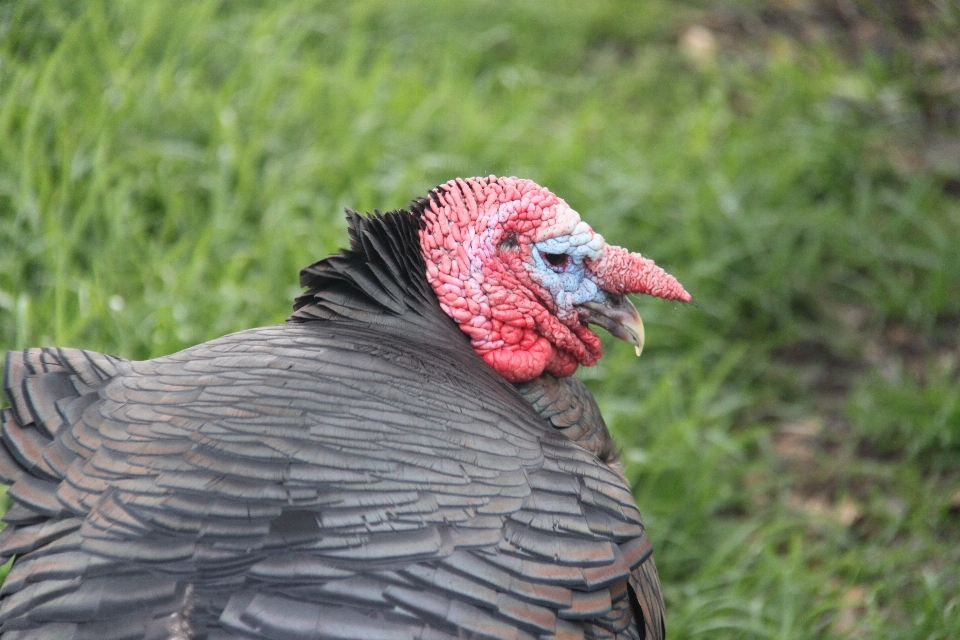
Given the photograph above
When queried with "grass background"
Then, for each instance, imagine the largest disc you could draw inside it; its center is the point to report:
(166, 168)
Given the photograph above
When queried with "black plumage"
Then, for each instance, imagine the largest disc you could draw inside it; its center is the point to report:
(358, 472)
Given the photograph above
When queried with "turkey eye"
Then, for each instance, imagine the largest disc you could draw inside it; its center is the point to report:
(556, 259)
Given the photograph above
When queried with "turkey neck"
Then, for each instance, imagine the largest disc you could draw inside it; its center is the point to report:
(381, 281)
(569, 407)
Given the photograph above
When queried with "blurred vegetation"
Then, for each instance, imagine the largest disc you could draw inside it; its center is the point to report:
(793, 439)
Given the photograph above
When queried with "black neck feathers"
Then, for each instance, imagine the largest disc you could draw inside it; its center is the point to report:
(380, 279)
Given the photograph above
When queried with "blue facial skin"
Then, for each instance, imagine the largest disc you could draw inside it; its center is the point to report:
(568, 281)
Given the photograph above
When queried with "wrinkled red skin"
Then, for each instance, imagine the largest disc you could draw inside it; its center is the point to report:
(477, 241)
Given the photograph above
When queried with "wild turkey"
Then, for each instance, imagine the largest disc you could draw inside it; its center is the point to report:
(367, 470)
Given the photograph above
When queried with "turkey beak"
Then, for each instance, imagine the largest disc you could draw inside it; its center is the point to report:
(618, 316)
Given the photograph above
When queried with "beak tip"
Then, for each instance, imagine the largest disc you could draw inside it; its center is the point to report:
(638, 349)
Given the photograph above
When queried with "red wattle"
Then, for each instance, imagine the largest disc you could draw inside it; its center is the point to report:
(518, 364)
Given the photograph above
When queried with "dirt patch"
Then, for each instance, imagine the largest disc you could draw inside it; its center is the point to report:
(918, 39)
(831, 464)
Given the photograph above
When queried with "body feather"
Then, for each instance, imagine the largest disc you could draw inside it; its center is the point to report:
(358, 472)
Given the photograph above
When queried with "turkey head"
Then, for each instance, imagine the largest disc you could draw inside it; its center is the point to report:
(523, 276)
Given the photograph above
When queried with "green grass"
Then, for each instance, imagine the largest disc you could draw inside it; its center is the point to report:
(794, 440)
